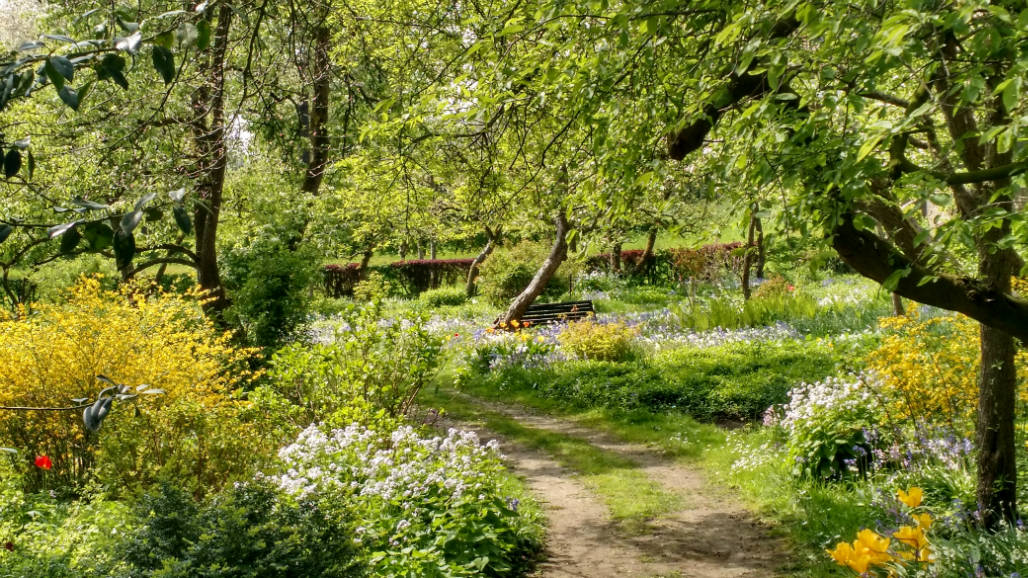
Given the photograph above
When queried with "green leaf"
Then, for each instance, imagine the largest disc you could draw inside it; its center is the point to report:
(98, 235)
(124, 249)
(185, 224)
(62, 66)
(70, 240)
(867, 147)
(69, 96)
(145, 200)
(1011, 93)
(130, 221)
(165, 40)
(58, 230)
(112, 67)
(5, 232)
(164, 62)
(892, 281)
(53, 74)
(12, 163)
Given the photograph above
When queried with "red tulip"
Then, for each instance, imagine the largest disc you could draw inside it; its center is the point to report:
(44, 462)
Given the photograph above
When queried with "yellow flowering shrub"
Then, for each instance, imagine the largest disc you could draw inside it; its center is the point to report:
(196, 431)
(588, 339)
(931, 366)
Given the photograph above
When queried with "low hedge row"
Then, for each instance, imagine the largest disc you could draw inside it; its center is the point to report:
(411, 277)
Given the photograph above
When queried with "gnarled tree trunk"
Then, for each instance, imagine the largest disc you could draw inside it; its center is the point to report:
(558, 253)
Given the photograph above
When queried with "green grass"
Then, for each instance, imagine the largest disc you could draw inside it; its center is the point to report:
(631, 497)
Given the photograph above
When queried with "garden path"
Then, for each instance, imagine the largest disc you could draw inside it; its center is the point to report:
(709, 536)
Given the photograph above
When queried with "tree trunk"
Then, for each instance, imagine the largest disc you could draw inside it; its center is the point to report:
(997, 392)
(365, 262)
(897, 305)
(558, 253)
(431, 249)
(615, 257)
(321, 79)
(761, 250)
(209, 136)
(403, 250)
(747, 260)
(477, 263)
(647, 255)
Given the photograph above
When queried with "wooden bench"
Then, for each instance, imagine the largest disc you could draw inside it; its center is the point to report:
(544, 313)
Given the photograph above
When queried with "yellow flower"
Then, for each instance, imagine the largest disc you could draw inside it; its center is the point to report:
(912, 497)
(911, 536)
(873, 545)
(514, 323)
(923, 520)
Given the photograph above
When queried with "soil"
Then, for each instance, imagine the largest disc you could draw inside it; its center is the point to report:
(710, 536)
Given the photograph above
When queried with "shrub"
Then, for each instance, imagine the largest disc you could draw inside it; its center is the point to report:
(444, 296)
(587, 339)
(428, 506)
(510, 269)
(776, 286)
(827, 423)
(370, 363)
(931, 367)
(194, 430)
(250, 530)
(267, 281)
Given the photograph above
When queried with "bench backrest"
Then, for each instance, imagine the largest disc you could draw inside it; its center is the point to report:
(543, 313)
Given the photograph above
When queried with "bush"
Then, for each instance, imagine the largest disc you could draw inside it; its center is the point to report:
(510, 269)
(444, 296)
(268, 282)
(428, 506)
(587, 339)
(196, 430)
(249, 530)
(369, 364)
(827, 425)
(931, 367)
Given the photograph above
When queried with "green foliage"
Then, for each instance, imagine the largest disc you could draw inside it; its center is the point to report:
(510, 269)
(268, 280)
(374, 288)
(827, 425)
(587, 339)
(250, 530)
(427, 506)
(56, 278)
(435, 298)
(365, 365)
(736, 381)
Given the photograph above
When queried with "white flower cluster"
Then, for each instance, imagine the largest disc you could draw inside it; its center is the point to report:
(850, 394)
(402, 467)
(780, 331)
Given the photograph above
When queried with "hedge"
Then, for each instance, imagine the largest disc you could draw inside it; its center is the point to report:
(412, 276)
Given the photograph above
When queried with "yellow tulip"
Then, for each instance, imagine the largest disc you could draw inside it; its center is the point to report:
(911, 536)
(923, 520)
(912, 497)
(875, 546)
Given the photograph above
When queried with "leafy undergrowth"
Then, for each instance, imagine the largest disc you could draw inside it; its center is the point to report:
(735, 381)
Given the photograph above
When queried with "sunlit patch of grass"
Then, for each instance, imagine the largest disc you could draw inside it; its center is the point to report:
(630, 495)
